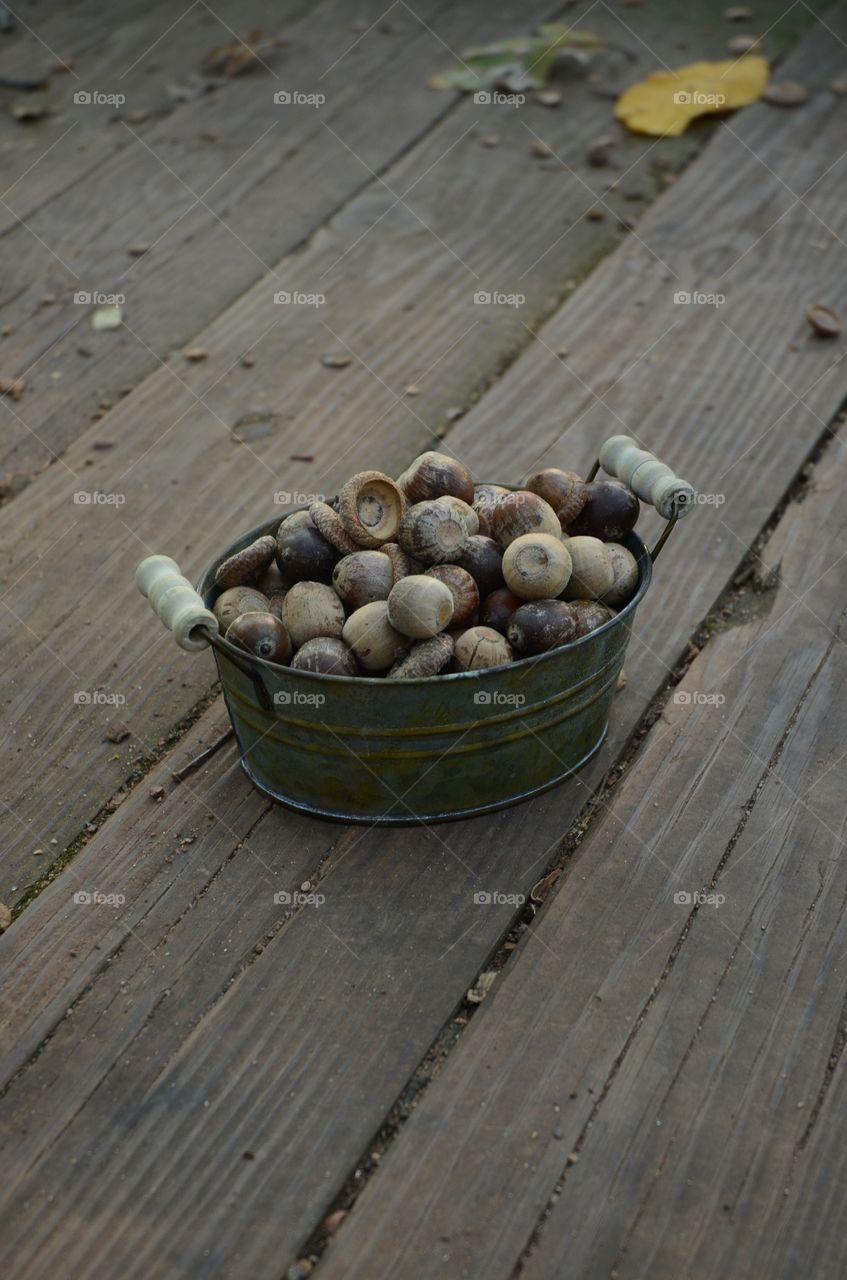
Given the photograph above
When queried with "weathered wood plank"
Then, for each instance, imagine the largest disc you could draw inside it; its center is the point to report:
(673, 1048)
(166, 444)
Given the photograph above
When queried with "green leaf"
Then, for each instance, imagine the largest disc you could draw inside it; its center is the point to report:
(518, 62)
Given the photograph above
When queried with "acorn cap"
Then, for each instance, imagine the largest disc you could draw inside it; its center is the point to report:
(426, 658)
(328, 522)
(241, 568)
(371, 507)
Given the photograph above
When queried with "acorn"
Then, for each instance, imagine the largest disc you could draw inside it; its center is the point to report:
(485, 499)
(592, 574)
(498, 607)
(480, 647)
(590, 614)
(537, 566)
(328, 522)
(432, 533)
(271, 582)
(483, 559)
(312, 609)
(433, 474)
(240, 569)
(371, 507)
(326, 655)
(425, 658)
(362, 577)
(303, 554)
(625, 569)
(372, 638)
(462, 509)
(419, 606)
(263, 635)
(522, 512)
(462, 588)
(297, 520)
(610, 510)
(275, 603)
(231, 603)
(564, 490)
(541, 625)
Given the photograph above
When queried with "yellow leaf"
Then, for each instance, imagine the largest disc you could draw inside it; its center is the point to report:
(667, 101)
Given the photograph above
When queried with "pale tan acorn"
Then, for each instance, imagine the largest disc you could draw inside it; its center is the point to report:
(592, 574)
(326, 655)
(362, 577)
(523, 512)
(537, 566)
(372, 638)
(463, 589)
(371, 507)
(485, 499)
(625, 569)
(328, 522)
(241, 569)
(231, 603)
(425, 658)
(433, 474)
(481, 647)
(462, 509)
(433, 533)
(420, 607)
(312, 609)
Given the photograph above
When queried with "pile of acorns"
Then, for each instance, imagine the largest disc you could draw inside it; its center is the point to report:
(430, 574)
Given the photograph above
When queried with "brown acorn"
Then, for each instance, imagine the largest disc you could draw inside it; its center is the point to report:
(432, 533)
(231, 603)
(326, 655)
(498, 607)
(480, 647)
(270, 581)
(362, 577)
(463, 589)
(297, 520)
(241, 569)
(590, 614)
(262, 635)
(485, 499)
(425, 658)
(610, 510)
(303, 554)
(541, 625)
(312, 609)
(371, 507)
(564, 490)
(523, 512)
(433, 474)
(483, 559)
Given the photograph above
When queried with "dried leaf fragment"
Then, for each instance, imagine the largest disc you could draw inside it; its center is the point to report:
(823, 320)
(5, 916)
(667, 101)
(785, 93)
(196, 354)
(13, 387)
(107, 317)
(336, 362)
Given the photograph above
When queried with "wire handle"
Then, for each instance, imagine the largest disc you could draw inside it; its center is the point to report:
(176, 602)
(647, 477)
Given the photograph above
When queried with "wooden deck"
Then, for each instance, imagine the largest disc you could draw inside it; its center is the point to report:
(638, 1072)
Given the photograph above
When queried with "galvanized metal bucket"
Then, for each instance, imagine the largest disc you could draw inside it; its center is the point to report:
(419, 751)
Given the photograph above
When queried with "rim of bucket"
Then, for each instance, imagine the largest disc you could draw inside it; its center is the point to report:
(631, 541)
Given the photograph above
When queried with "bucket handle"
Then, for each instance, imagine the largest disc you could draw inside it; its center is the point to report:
(181, 609)
(648, 478)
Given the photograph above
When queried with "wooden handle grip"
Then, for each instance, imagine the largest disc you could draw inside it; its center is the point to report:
(176, 602)
(647, 477)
